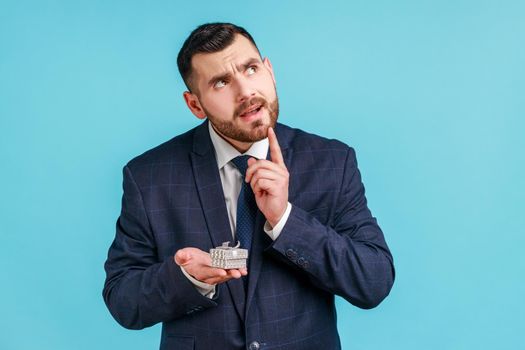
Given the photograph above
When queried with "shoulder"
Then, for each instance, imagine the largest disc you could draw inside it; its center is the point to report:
(300, 141)
(176, 149)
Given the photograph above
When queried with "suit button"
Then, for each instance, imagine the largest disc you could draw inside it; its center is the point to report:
(301, 261)
(292, 254)
(254, 345)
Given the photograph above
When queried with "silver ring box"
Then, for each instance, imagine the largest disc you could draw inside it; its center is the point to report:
(226, 257)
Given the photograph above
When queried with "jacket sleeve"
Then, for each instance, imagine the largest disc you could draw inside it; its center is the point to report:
(349, 257)
(140, 290)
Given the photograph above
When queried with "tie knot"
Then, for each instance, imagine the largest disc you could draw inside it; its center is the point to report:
(241, 162)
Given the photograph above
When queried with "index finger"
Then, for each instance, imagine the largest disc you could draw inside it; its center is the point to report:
(275, 150)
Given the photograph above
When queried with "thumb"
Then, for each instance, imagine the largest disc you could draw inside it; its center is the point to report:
(182, 257)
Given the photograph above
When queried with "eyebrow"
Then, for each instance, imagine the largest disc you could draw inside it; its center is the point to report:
(242, 67)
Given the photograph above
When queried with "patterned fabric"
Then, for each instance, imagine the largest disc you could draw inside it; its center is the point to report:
(330, 245)
(246, 206)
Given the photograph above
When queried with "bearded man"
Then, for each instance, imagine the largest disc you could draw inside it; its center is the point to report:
(294, 200)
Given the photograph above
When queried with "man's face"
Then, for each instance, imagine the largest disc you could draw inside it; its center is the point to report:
(235, 89)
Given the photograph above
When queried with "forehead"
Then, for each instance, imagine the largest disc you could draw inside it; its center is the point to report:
(206, 65)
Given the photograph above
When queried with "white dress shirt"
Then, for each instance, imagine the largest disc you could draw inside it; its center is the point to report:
(231, 180)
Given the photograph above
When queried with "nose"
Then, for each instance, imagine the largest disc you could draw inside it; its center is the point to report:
(245, 89)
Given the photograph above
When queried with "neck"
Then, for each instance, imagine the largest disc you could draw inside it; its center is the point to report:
(238, 145)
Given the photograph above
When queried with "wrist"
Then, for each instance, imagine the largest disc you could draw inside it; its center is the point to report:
(275, 220)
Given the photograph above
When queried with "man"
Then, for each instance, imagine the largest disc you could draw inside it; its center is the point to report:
(295, 201)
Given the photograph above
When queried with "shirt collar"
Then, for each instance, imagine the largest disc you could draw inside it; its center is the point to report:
(225, 152)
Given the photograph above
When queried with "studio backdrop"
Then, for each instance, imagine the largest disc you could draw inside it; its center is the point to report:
(431, 94)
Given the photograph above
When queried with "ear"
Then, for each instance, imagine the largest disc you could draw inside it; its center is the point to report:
(268, 65)
(193, 103)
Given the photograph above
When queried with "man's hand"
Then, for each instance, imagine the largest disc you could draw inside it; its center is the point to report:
(269, 182)
(198, 264)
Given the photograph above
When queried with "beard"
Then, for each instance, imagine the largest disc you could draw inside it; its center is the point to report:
(257, 130)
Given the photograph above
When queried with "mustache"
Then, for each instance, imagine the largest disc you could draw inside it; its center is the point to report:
(248, 103)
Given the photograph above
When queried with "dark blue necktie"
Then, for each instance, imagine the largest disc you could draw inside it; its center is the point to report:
(246, 206)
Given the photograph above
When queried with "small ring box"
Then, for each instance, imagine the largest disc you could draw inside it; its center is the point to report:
(226, 257)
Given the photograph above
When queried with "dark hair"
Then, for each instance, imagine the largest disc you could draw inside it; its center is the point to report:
(207, 38)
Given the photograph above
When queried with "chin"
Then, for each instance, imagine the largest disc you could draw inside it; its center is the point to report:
(260, 128)
(243, 132)
(260, 133)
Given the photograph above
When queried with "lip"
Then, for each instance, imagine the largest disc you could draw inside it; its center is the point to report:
(252, 116)
(251, 108)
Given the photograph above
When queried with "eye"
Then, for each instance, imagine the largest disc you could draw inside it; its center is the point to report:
(220, 83)
(251, 70)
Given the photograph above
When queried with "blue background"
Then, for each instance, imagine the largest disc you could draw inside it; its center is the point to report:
(430, 93)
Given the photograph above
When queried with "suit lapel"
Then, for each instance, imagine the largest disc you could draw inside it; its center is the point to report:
(211, 195)
(260, 239)
(259, 243)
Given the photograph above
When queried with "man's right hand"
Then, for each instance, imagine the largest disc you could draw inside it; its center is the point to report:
(198, 264)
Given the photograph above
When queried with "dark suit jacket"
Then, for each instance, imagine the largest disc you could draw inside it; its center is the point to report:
(330, 245)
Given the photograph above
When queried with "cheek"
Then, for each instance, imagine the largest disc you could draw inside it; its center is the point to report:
(269, 87)
(218, 106)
